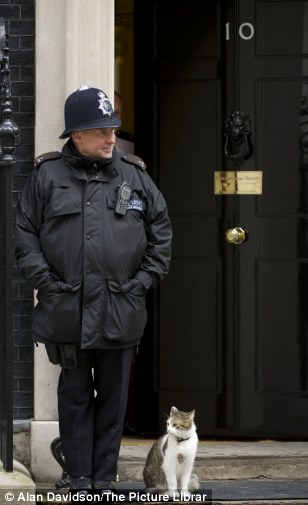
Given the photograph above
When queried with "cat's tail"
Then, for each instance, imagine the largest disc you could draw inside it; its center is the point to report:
(194, 482)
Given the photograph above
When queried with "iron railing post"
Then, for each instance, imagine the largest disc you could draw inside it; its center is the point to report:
(8, 132)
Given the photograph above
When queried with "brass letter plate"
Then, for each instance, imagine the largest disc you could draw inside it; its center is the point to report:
(238, 183)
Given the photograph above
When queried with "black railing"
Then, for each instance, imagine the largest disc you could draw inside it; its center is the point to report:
(8, 132)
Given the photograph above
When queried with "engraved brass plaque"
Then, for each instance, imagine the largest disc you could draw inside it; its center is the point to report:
(238, 183)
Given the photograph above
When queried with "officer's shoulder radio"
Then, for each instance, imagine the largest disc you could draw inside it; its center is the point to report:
(125, 189)
(124, 195)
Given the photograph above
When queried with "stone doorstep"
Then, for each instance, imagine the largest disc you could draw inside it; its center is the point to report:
(233, 469)
(216, 459)
(226, 460)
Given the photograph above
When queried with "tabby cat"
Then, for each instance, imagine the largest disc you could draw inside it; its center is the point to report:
(170, 461)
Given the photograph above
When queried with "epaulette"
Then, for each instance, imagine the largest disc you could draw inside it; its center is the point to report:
(53, 155)
(135, 160)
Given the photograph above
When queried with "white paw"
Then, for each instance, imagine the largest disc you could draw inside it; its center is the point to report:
(185, 494)
(173, 494)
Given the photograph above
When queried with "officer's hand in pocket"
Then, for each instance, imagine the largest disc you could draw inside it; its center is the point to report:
(49, 285)
(133, 286)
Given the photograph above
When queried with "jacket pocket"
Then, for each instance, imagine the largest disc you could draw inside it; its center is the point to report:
(126, 314)
(57, 316)
(63, 201)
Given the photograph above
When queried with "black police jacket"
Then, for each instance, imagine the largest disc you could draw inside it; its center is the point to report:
(91, 266)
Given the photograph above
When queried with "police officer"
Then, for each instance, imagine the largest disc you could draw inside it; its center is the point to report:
(92, 236)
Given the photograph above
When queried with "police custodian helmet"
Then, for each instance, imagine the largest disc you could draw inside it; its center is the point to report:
(88, 108)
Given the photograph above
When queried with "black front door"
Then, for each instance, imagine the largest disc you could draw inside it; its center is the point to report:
(229, 330)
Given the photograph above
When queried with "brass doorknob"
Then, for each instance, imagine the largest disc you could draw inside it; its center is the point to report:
(235, 236)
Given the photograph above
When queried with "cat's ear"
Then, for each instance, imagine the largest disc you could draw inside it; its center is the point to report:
(192, 414)
(173, 411)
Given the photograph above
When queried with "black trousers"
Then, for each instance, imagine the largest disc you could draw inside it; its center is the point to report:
(91, 425)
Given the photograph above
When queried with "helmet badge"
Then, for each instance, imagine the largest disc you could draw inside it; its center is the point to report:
(104, 103)
(83, 87)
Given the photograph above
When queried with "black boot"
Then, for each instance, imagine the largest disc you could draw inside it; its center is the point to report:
(103, 486)
(81, 485)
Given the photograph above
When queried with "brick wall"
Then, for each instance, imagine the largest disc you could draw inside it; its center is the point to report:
(19, 17)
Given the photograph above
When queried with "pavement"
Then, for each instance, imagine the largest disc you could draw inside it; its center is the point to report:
(246, 492)
(235, 472)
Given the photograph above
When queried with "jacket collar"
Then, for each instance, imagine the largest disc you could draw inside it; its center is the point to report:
(102, 170)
